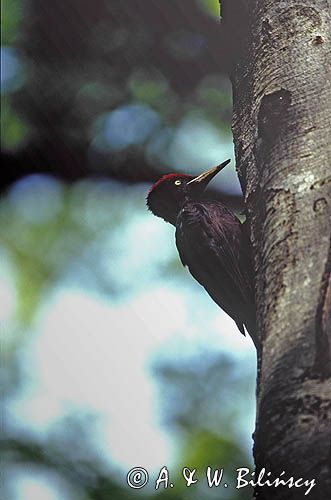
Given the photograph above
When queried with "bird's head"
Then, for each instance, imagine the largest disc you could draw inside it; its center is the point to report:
(167, 196)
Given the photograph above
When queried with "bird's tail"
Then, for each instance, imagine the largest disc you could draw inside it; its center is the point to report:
(251, 326)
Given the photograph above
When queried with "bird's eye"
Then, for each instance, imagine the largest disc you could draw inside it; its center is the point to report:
(178, 182)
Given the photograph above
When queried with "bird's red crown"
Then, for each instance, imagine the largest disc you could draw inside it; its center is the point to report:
(169, 177)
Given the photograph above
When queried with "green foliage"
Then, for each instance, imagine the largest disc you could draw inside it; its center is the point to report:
(14, 131)
(212, 7)
(153, 89)
(205, 448)
(11, 15)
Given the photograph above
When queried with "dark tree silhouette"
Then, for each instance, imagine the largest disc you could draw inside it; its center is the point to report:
(67, 46)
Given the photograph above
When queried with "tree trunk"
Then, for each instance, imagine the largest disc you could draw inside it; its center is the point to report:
(281, 127)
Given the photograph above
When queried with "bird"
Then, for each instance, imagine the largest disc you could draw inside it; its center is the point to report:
(211, 241)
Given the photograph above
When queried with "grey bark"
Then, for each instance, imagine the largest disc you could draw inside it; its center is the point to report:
(282, 129)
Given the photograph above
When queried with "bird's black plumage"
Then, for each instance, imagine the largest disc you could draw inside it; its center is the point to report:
(211, 242)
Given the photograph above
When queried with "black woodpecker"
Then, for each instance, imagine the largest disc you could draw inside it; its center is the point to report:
(211, 242)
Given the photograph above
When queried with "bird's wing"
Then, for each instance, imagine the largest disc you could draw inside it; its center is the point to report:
(209, 239)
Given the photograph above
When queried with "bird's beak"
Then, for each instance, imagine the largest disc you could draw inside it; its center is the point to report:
(203, 179)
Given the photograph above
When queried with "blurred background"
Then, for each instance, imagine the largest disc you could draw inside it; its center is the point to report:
(113, 357)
